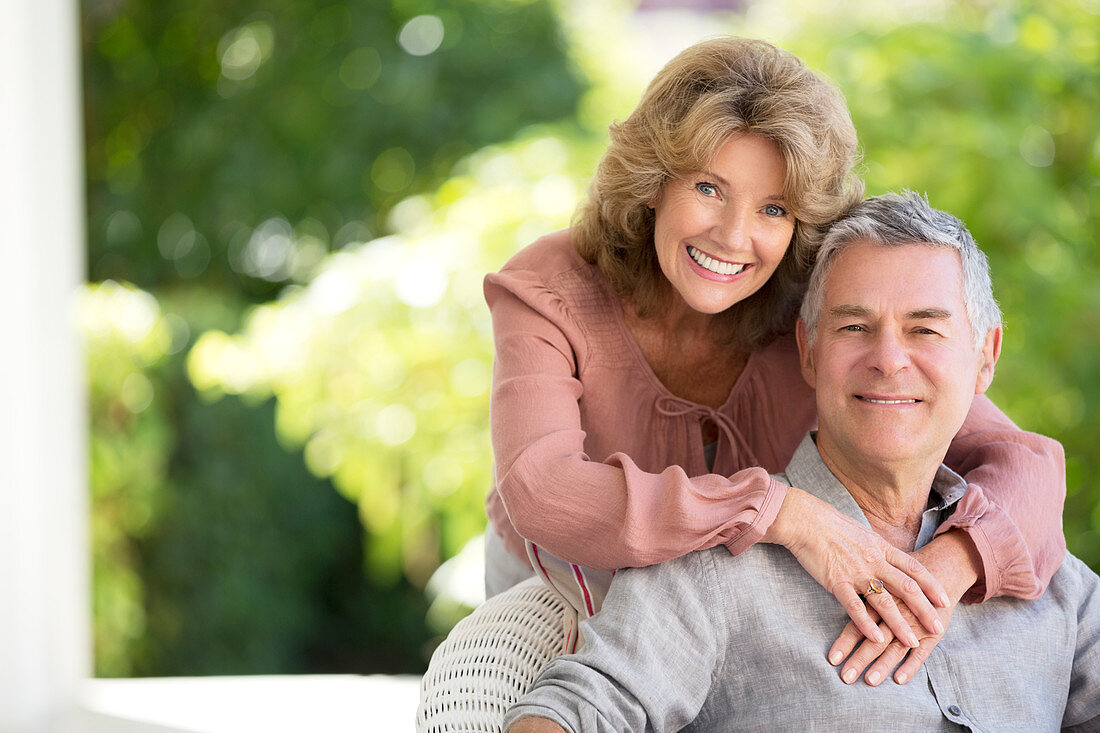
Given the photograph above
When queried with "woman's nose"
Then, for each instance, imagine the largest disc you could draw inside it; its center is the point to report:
(731, 229)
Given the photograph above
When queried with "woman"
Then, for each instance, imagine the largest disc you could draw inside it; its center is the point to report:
(646, 380)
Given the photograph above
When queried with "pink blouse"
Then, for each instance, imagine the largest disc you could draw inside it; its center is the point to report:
(600, 465)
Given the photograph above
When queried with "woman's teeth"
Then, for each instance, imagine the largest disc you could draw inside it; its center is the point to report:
(709, 263)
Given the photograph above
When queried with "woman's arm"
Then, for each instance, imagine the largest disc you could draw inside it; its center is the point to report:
(1012, 511)
(604, 515)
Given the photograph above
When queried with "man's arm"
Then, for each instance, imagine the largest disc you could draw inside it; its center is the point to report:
(649, 659)
(535, 725)
(1083, 705)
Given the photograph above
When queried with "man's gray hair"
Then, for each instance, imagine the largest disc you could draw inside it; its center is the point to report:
(893, 220)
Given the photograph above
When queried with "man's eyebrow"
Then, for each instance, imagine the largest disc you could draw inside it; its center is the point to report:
(936, 314)
(859, 311)
(849, 311)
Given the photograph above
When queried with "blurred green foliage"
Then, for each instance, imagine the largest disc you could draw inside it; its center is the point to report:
(216, 548)
(229, 147)
(246, 139)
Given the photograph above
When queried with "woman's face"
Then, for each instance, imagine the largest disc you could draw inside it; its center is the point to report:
(720, 233)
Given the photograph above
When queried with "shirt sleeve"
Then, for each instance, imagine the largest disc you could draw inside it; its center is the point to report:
(1012, 510)
(628, 677)
(1083, 703)
(608, 514)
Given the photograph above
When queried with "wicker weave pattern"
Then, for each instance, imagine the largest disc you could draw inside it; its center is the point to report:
(490, 659)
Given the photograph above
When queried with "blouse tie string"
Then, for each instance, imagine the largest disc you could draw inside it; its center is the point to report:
(677, 407)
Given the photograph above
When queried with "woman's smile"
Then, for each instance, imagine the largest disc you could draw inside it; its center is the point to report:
(714, 265)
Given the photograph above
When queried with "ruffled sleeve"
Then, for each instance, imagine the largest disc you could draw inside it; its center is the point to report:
(602, 514)
(1013, 508)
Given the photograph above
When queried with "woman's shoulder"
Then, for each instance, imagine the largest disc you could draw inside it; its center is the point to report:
(551, 268)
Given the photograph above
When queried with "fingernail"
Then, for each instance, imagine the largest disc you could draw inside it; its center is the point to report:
(835, 657)
(872, 678)
(849, 676)
(913, 643)
(901, 678)
(938, 626)
(879, 637)
(944, 600)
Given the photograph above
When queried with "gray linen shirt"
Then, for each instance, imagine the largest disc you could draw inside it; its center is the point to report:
(714, 642)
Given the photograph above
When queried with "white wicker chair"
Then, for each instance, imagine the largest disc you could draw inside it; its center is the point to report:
(491, 658)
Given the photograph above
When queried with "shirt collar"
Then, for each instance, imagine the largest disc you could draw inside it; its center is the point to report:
(808, 472)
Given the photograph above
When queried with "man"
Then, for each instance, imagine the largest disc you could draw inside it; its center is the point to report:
(899, 331)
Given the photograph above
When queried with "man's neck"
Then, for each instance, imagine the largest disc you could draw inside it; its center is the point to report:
(892, 494)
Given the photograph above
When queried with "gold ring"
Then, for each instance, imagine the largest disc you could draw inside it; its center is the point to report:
(874, 585)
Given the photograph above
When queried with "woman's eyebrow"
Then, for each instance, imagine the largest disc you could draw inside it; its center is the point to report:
(726, 184)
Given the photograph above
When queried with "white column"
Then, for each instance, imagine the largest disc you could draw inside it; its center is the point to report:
(44, 557)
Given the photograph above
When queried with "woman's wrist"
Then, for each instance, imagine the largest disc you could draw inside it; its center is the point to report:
(789, 524)
(954, 560)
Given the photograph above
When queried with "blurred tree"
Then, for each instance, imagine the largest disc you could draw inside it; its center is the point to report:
(246, 139)
(229, 148)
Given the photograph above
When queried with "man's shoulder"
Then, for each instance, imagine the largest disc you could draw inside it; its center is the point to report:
(1075, 576)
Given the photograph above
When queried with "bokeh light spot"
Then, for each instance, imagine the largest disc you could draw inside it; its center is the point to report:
(241, 51)
(393, 170)
(395, 424)
(470, 378)
(361, 68)
(1037, 146)
(422, 35)
(136, 392)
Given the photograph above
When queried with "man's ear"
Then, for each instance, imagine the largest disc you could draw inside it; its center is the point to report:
(805, 354)
(990, 353)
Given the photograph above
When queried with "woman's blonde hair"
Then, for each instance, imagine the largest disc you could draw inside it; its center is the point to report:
(707, 93)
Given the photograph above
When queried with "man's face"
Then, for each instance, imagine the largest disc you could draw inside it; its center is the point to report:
(894, 364)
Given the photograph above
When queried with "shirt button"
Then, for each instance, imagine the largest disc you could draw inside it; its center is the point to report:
(955, 710)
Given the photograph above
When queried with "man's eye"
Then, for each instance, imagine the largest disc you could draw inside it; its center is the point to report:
(707, 189)
(854, 328)
(926, 331)
(775, 210)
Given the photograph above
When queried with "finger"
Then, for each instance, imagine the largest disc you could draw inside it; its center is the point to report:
(856, 611)
(886, 661)
(867, 652)
(916, 658)
(888, 610)
(932, 589)
(907, 590)
(845, 644)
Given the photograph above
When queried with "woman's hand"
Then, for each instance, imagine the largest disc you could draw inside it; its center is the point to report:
(885, 655)
(952, 557)
(842, 555)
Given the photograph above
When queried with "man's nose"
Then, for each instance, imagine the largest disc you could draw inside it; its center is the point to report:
(887, 353)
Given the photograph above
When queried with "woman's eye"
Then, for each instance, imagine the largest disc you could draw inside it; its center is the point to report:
(775, 210)
(707, 189)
